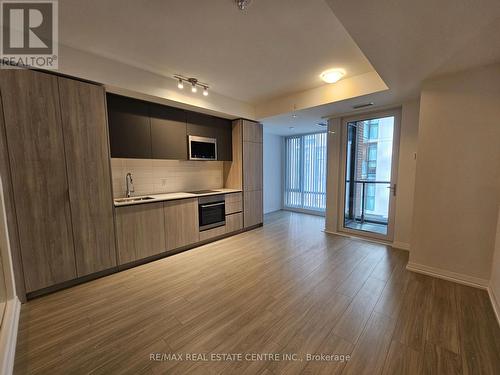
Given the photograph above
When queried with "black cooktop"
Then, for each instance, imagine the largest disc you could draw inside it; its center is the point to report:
(203, 191)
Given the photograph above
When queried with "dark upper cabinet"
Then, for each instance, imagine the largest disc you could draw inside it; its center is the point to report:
(168, 132)
(224, 138)
(139, 129)
(129, 127)
(203, 125)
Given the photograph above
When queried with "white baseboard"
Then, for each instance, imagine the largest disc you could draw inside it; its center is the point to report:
(397, 245)
(8, 335)
(401, 245)
(448, 275)
(495, 302)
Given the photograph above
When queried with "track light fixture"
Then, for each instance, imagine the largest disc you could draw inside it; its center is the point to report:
(194, 84)
(242, 4)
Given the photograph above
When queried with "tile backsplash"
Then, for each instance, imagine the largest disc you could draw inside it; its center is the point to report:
(165, 176)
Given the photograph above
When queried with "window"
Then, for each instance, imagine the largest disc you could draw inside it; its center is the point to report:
(371, 172)
(370, 197)
(305, 169)
(370, 129)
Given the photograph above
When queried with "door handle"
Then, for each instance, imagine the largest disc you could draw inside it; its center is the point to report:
(393, 189)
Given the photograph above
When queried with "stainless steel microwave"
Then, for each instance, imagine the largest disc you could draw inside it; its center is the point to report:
(202, 148)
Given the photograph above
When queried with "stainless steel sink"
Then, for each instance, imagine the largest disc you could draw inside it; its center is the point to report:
(133, 199)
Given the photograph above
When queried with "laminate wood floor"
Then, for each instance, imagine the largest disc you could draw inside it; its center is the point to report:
(285, 288)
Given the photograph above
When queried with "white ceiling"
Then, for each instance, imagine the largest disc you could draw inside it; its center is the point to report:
(273, 48)
(408, 42)
(278, 48)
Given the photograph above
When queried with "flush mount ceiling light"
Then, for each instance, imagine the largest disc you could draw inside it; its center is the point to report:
(332, 75)
(193, 82)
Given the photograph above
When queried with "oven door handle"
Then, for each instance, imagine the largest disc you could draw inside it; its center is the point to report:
(212, 204)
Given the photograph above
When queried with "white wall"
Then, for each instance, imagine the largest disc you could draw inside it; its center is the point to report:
(273, 172)
(333, 201)
(458, 175)
(495, 272)
(135, 82)
(406, 174)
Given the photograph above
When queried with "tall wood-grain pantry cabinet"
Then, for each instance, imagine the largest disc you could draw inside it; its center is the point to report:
(245, 171)
(55, 131)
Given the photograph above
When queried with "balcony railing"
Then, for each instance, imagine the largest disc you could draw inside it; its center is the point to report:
(352, 201)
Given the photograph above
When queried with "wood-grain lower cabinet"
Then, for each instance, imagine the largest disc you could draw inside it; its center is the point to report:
(35, 143)
(212, 233)
(181, 222)
(234, 203)
(140, 231)
(234, 222)
(83, 113)
(252, 203)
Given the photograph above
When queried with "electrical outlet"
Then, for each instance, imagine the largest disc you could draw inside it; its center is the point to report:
(163, 182)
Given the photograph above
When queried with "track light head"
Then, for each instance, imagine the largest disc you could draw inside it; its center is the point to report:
(242, 4)
(193, 82)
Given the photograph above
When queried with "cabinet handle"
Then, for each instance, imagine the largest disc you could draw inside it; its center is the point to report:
(212, 204)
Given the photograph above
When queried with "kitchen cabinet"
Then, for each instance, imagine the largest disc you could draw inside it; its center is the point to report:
(140, 231)
(200, 125)
(252, 173)
(203, 125)
(252, 203)
(252, 166)
(224, 139)
(10, 213)
(212, 233)
(234, 222)
(139, 129)
(129, 127)
(181, 222)
(245, 171)
(234, 203)
(168, 132)
(35, 141)
(83, 114)
(252, 131)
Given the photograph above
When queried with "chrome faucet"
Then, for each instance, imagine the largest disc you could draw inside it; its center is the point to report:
(130, 184)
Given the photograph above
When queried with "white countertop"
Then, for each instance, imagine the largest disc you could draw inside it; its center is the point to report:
(170, 196)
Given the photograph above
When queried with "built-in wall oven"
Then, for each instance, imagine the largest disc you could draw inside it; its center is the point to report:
(212, 211)
(202, 148)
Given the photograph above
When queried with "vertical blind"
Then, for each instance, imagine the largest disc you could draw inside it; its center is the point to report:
(305, 172)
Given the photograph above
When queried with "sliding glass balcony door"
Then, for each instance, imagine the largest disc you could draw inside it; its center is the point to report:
(305, 172)
(370, 165)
